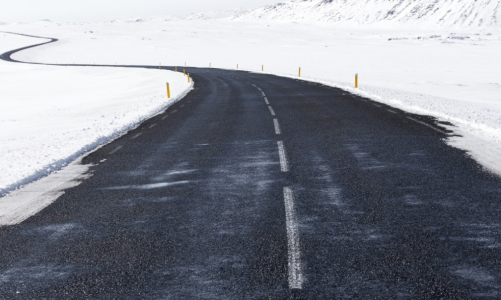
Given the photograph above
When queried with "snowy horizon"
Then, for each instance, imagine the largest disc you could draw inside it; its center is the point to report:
(425, 14)
(98, 11)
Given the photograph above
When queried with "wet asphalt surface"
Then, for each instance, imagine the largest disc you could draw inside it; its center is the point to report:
(190, 205)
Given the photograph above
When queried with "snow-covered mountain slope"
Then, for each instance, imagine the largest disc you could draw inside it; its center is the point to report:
(423, 13)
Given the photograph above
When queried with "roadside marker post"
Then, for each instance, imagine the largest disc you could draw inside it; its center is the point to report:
(356, 81)
(188, 77)
(176, 69)
(299, 74)
(184, 72)
(237, 66)
(160, 66)
(210, 65)
(262, 68)
(168, 90)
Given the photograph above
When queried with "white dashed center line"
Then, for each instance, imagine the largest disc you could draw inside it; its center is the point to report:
(164, 117)
(175, 110)
(153, 125)
(377, 105)
(293, 247)
(392, 111)
(294, 254)
(271, 111)
(116, 150)
(277, 126)
(136, 136)
(284, 166)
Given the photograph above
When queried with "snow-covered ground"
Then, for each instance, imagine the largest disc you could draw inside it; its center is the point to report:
(449, 73)
(50, 115)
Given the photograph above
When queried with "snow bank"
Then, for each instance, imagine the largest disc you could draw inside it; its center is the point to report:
(51, 115)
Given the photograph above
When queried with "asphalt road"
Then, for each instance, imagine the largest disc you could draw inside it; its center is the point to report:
(262, 187)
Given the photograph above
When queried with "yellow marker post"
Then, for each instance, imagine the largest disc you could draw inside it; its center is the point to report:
(176, 69)
(299, 75)
(237, 66)
(168, 91)
(356, 81)
(160, 66)
(262, 68)
(184, 72)
(188, 77)
(210, 65)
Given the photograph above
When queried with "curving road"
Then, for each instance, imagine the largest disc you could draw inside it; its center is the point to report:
(261, 187)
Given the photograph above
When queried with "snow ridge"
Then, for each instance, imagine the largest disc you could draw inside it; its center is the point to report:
(423, 13)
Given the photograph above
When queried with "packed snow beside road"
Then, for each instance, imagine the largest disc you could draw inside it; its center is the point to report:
(50, 115)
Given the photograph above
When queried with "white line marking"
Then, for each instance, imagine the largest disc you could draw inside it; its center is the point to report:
(164, 117)
(258, 88)
(294, 252)
(264, 95)
(277, 126)
(284, 166)
(377, 105)
(136, 136)
(153, 125)
(392, 111)
(427, 125)
(175, 110)
(271, 111)
(266, 100)
(116, 150)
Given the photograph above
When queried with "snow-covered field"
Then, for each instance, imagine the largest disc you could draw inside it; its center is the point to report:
(449, 73)
(51, 115)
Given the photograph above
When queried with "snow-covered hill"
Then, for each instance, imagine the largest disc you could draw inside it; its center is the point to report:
(422, 13)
